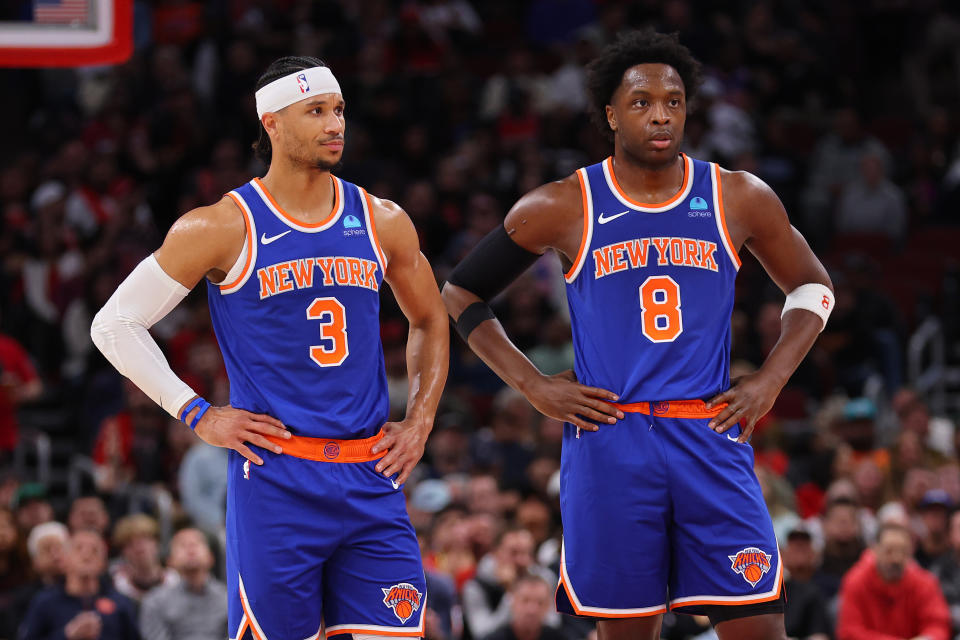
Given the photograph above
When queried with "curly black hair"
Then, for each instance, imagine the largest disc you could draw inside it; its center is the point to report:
(279, 68)
(605, 72)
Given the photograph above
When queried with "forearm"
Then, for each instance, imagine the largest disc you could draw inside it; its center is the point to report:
(799, 330)
(491, 343)
(428, 355)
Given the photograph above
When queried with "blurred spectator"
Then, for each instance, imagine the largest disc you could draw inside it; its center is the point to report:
(842, 545)
(85, 606)
(192, 608)
(486, 598)
(805, 616)
(836, 162)
(947, 571)
(89, 513)
(934, 540)
(138, 570)
(505, 444)
(18, 384)
(887, 596)
(531, 600)
(32, 506)
(46, 547)
(202, 481)
(872, 203)
(14, 572)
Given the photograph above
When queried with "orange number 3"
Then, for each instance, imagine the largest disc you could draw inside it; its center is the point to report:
(660, 304)
(333, 328)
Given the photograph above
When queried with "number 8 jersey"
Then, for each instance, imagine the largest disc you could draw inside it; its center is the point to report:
(652, 288)
(298, 318)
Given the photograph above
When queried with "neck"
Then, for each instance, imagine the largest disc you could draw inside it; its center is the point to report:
(306, 194)
(526, 633)
(82, 585)
(195, 579)
(647, 182)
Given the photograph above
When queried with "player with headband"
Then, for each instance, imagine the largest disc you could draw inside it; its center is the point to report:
(317, 527)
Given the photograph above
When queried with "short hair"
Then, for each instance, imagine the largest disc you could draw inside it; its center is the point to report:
(278, 69)
(605, 72)
(44, 530)
(134, 526)
(889, 525)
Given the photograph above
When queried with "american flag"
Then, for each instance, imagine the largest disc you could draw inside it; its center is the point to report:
(60, 11)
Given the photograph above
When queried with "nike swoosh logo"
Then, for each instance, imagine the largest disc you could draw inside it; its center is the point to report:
(394, 483)
(732, 438)
(603, 220)
(265, 240)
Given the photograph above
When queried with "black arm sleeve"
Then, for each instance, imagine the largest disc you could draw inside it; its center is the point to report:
(493, 264)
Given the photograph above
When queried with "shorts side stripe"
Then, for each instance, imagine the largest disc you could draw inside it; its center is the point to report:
(601, 612)
(248, 611)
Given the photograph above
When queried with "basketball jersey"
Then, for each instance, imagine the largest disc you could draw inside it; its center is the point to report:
(652, 288)
(299, 328)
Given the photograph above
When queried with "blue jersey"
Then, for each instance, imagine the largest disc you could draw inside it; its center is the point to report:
(299, 328)
(652, 288)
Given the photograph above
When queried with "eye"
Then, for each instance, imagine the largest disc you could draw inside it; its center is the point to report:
(338, 111)
(675, 102)
(641, 103)
(317, 110)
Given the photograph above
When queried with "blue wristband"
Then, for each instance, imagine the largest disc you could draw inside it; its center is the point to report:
(196, 418)
(187, 409)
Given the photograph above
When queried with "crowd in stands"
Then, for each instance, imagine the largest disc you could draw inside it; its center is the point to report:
(454, 109)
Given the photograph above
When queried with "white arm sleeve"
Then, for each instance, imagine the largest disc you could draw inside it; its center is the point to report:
(119, 330)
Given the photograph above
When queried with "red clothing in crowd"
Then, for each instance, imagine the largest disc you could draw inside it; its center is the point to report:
(15, 368)
(872, 609)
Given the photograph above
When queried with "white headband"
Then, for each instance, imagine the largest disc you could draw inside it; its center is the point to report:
(295, 87)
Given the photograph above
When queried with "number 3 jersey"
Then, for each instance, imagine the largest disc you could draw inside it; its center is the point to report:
(651, 291)
(299, 326)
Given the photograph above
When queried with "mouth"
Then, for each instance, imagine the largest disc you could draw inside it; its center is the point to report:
(661, 140)
(333, 145)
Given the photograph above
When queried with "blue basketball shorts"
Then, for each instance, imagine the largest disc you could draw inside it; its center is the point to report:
(660, 511)
(320, 537)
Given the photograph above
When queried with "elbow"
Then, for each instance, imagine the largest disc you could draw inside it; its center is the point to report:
(456, 299)
(99, 331)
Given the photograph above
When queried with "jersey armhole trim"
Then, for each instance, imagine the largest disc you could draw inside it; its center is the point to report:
(585, 239)
(371, 225)
(249, 248)
(722, 218)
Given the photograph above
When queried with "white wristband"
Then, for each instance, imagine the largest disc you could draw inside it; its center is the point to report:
(813, 297)
(120, 331)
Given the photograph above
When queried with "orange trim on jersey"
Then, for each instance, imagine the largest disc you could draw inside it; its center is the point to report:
(326, 450)
(605, 614)
(253, 627)
(729, 603)
(243, 629)
(673, 408)
(373, 228)
(291, 219)
(723, 215)
(250, 241)
(586, 226)
(677, 195)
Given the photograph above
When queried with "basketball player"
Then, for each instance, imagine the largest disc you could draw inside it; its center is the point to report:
(316, 522)
(661, 508)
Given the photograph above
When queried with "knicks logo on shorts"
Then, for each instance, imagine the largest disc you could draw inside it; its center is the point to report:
(660, 408)
(403, 598)
(751, 563)
(331, 450)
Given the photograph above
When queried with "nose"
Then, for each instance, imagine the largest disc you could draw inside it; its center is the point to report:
(660, 114)
(333, 124)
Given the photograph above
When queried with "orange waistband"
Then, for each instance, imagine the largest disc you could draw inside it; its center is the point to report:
(326, 450)
(673, 408)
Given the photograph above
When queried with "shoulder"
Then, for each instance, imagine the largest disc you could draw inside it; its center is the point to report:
(742, 186)
(385, 212)
(224, 216)
(563, 196)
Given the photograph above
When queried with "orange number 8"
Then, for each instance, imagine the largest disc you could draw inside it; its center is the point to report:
(333, 329)
(660, 303)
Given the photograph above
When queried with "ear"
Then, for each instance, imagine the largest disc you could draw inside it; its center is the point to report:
(270, 122)
(611, 118)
